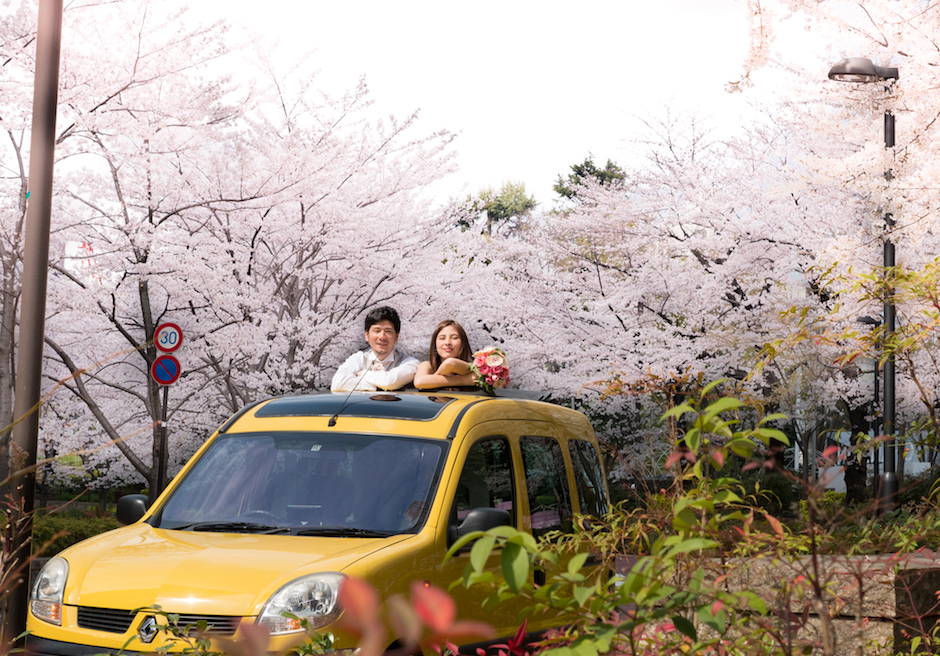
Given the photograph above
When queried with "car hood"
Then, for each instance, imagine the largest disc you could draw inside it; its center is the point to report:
(203, 573)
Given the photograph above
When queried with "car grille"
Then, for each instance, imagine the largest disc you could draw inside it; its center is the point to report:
(105, 619)
(219, 625)
(119, 621)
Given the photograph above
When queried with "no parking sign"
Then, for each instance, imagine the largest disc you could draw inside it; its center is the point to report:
(166, 370)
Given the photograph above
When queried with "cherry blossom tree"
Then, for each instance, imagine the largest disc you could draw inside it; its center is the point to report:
(17, 50)
(264, 220)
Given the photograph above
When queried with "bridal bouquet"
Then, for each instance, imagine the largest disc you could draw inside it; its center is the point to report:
(491, 369)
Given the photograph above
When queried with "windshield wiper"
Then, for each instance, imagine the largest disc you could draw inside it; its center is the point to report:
(342, 531)
(231, 527)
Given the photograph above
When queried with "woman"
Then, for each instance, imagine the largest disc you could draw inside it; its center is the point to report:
(448, 363)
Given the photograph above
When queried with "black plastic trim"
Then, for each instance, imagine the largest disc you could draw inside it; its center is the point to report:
(44, 647)
(452, 433)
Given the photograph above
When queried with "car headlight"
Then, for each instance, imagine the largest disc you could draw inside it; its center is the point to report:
(312, 598)
(48, 591)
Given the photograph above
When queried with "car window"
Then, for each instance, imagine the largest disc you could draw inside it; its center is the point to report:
(546, 484)
(589, 478)
(302, 480)
(486, 479)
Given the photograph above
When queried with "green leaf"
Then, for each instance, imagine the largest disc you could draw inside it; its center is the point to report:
(506, 532)
(717, 621)
(684, 520)
(691, 544)
(582, 594)
(481, 551)
(767, 434)
(727, 496)
(712, 385)
(515, 564)
(750, 601)
(723, 404)
(466, 539)
(693, 439)
(577, 562)
(685, 627)
(677, 411)
(560, 651)
(585, 645)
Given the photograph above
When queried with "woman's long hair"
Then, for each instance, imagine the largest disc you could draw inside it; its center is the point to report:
(466, 353)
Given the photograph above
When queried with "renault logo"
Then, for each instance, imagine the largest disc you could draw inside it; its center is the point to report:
(148, 629)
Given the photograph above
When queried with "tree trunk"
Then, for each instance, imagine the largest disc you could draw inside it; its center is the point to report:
(9, 299)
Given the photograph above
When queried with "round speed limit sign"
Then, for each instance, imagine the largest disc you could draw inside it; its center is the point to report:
(168, 337)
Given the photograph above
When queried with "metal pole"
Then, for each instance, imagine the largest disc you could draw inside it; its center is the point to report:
(33, 307)
(876, 426)
(161, 466)
(888, 500)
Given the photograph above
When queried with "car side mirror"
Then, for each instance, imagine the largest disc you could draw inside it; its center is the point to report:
(479, 519)
(131, 508)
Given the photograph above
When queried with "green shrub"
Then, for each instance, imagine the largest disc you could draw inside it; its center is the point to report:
(775, 492)
(917, 488)
(74, 528)
(830, 507)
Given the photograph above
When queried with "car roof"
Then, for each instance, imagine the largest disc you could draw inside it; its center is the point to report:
(435, 413)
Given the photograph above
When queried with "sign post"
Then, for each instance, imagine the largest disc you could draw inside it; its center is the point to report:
(165, 371)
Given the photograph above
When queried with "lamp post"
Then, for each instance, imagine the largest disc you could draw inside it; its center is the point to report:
(862, 70)
(874, 323)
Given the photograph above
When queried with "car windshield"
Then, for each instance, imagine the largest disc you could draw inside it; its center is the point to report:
(307, 484)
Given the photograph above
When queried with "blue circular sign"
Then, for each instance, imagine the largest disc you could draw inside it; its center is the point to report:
(166, 370)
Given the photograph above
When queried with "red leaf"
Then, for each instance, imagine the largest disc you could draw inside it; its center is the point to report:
(360, 603)
(517, 640)
(719, 459)
(673, 458)
(434, 606)
(716, 607)
(750, 465)
(404, 620)
(774, 524)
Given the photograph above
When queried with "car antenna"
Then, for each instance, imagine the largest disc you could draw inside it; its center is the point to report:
(342, 407)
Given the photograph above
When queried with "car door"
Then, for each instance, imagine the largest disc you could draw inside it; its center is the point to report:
(487, 479)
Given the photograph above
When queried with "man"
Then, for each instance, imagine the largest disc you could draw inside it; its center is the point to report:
(381, 366)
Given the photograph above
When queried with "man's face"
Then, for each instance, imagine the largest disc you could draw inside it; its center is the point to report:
(382, 337)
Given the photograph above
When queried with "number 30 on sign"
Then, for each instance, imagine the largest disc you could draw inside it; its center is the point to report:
(168, 337)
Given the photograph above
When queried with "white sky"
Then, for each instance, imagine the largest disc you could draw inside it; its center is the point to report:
(531, 87)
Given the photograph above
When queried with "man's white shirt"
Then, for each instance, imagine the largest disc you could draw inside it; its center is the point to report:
(397, 370)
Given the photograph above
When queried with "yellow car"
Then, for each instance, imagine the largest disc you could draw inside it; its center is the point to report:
(294, 494)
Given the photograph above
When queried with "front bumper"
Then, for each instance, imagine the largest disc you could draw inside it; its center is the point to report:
(36, 646)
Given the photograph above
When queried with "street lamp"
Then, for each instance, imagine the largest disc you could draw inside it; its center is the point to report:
(875, 324)
(861, 69)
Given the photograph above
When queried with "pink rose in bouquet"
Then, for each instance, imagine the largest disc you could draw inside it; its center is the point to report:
(491, 369)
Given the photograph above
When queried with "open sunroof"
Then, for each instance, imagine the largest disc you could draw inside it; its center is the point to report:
(379, 405)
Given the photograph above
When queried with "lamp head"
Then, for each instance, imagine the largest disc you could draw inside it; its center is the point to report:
(861, 69)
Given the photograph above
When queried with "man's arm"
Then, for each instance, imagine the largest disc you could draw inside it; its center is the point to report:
(346, 377)
(396, 377)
